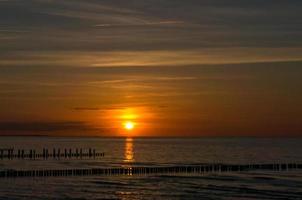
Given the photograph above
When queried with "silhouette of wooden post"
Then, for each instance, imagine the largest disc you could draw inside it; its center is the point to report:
(59, 153)
(30, 153)
(54, 153)
(47, 154)
(77, 152)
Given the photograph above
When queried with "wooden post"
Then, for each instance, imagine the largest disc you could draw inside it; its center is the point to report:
(30, 153)
(12, 153)
(59, 153)
(47, 154)
(43, 153)
(54, 153)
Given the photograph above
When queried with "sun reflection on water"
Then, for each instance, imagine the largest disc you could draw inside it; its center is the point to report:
(129, 153)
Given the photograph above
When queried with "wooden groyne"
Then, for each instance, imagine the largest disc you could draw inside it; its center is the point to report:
(66, 153)
(192, 169)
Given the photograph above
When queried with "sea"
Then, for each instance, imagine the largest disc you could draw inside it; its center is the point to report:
(129, 152)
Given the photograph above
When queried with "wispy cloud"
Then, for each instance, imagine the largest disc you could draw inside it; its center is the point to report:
(86, 108)
(143, 79)
(44, 126)
(160, 23)
(151, 58)
(90, 11)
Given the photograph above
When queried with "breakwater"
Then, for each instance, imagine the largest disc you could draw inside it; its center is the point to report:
(191, 169)
(33, 154)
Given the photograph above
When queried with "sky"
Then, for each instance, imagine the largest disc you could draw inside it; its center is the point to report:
(169, 67)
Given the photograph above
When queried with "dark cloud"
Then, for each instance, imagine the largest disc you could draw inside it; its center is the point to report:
(43, 126)
(86, 108)
(148, 25)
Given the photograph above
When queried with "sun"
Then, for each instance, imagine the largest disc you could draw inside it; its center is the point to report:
(129, 125)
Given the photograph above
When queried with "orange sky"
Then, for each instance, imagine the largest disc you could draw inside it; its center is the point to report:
(85, 68)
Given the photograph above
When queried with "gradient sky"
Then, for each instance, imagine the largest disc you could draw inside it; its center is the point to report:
(172, 67)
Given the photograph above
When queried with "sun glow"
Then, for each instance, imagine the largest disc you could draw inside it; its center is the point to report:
(127, 121)
(129, 125)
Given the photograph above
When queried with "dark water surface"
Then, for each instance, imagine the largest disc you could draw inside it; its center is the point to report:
(158, 152)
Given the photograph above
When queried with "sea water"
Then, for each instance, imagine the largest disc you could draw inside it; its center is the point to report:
(157, 152)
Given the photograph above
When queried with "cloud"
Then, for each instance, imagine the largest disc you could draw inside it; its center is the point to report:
(160, 23)
(16, 126)
(86, 109)
(141, 79)
(148, 25)
(154, 58)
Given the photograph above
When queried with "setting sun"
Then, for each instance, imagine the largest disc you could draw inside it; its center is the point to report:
(129, 125)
